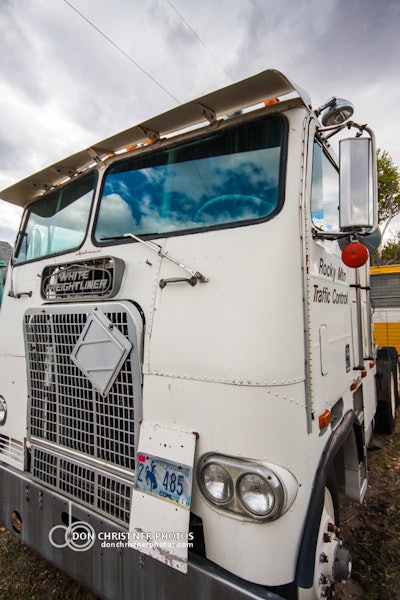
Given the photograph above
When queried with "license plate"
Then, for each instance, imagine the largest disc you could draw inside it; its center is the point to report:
(165, 479)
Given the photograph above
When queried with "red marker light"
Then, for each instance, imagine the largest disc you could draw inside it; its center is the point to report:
(141, 458)
(355, 255)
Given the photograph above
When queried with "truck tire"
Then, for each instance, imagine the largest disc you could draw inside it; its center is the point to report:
(332, 561)
(387, 392)
(314, 574)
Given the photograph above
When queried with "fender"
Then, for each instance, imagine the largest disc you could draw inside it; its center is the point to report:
(305, 563)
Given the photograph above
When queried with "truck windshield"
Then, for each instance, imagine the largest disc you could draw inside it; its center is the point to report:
(57, 222)
(228, 178)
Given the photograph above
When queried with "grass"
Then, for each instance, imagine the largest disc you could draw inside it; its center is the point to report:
(24, 575)
(372, 530)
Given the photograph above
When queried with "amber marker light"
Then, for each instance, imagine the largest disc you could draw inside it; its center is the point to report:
(355, 255)
(271, 101)
(354, 385)
(324, 419)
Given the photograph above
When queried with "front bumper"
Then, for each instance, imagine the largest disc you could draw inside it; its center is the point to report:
(119, 573)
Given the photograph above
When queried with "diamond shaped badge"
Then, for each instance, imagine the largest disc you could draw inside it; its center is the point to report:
(100, 351)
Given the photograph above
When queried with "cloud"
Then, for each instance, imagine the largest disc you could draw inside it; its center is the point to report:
(10, 218)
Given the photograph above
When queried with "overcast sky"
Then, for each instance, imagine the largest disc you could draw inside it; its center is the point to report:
(75, 72)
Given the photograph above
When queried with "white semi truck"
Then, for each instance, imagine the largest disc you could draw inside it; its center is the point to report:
(187, 374)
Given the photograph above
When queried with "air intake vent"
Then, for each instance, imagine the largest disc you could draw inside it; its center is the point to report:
(69, 416)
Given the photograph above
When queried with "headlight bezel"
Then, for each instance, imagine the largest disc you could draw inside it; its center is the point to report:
(274, 477)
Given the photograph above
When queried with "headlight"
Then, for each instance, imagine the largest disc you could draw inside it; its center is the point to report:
(256, 494)
(246, 489)
(3, 410)
(216, 482)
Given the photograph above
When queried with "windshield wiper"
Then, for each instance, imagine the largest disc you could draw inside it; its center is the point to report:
(195, 276)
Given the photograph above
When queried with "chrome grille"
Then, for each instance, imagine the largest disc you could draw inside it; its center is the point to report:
(12, 448)
(66, 411)
(108, 494)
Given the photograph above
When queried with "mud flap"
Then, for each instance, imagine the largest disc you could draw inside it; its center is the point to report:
(161, 498)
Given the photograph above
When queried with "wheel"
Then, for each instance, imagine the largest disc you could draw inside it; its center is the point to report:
(332, 561)
(386, 390)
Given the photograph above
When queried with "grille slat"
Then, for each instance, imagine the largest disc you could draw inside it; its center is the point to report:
(107, 494)
(12, 448)
(67, 411)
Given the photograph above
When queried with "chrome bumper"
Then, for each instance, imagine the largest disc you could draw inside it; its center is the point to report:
(111, 573)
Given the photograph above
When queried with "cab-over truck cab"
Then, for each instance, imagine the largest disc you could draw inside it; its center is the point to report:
(187, 373)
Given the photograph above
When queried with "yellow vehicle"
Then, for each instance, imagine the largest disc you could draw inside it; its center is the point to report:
(385, 297)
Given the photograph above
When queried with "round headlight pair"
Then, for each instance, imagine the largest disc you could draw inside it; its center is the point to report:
(253, 491)
(3, 410)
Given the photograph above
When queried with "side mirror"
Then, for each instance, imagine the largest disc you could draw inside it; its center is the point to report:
(358, 185)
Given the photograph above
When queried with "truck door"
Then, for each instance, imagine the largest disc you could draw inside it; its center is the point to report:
(330, 291)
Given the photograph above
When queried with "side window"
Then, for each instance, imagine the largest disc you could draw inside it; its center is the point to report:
(324, 191)
(57, 222)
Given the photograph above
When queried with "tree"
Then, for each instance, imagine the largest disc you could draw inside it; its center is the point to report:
(388, 193)
(391, 251)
